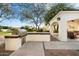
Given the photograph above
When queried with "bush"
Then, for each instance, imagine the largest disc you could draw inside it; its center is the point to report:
(40, 30)
(14, 31)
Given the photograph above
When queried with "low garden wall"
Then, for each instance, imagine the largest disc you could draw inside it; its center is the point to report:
(38, 36)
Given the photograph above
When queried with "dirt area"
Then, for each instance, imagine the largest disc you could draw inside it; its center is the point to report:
(60, 52)
(3, 52)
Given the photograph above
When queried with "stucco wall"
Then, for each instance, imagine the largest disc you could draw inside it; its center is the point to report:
(12, 43)
(64, 17)
(38, 38)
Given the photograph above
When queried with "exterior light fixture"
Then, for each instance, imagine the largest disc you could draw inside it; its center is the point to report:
(72, 20)
(58, 18)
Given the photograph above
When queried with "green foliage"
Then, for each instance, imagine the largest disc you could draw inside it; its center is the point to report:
(5, 33)
(27, 28)
(4, 27)
(40, 30)
(55, 9)
(14, 31)
(33, 29)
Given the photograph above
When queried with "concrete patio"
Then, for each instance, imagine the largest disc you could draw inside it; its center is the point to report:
(72, 45)
(38, 48)
(30, 49)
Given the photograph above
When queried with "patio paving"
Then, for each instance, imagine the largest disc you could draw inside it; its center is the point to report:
(48, 48)
(30, 49)
(61, 52)
(73, 45)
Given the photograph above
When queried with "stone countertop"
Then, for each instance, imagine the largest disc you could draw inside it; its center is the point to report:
(16, 36)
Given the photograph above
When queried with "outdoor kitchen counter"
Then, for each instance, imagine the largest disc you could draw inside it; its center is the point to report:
(14, 42)
(16, 36)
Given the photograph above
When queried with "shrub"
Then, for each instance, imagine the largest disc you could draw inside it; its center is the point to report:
(14, 31)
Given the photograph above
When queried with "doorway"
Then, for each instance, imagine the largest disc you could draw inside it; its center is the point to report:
(73, 29)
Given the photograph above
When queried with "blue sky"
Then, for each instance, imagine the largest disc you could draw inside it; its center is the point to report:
(14, 22)
(76, 5)
(17, 22)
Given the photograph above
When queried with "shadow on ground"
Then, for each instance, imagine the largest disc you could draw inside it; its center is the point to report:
(61, 52)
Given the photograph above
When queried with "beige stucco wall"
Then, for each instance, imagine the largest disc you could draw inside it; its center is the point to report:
(37, 37)
(64, 17)
(12, 43)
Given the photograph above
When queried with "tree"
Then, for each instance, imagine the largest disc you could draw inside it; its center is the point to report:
(5, 11)
(35, 14)
(55, 9)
